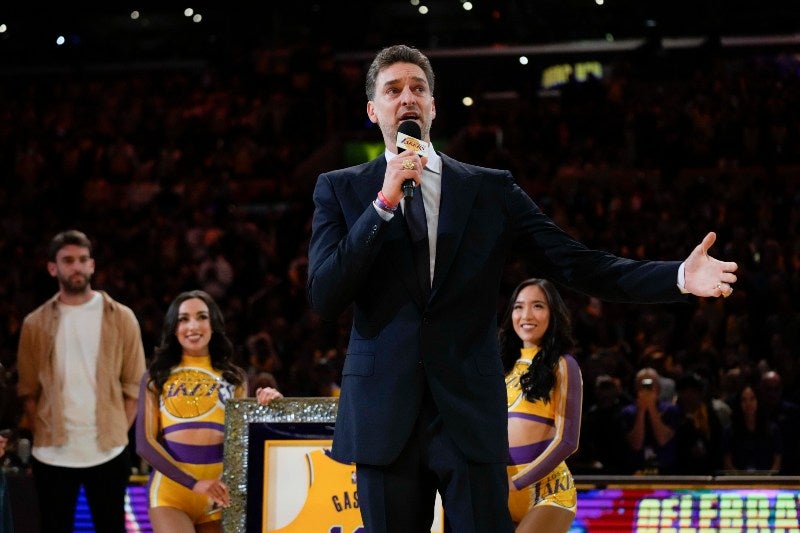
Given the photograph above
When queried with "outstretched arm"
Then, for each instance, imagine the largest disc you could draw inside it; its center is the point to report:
(707, 276)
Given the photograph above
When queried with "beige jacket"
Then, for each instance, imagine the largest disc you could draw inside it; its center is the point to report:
(120, 366)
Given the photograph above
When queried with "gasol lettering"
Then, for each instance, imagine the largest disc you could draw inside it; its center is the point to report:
(346, 501)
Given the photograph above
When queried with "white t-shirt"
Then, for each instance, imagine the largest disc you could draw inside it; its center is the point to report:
(76, 350)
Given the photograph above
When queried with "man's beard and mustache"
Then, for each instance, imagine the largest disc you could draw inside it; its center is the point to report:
(75, 284)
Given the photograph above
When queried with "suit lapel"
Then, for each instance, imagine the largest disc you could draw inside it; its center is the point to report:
(459, 190)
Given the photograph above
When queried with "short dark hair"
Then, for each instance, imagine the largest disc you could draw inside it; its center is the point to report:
(398, 53)
(65, 238)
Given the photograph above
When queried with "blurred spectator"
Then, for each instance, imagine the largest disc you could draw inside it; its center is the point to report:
(654, 357)
(603, 448)
(594, 329)
(785, 414)
(731, 382)
(606, 361)
(698, 438)
(650, 425)
(753, 443)
(705, 370)
(262, 357)
(215, 274)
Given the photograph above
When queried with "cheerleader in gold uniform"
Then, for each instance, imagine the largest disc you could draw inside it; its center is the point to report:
(545, 393)
(181, 416)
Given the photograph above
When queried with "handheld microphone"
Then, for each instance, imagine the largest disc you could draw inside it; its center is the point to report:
(409, 137)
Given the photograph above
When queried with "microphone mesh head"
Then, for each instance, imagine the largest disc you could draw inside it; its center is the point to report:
(410, 128)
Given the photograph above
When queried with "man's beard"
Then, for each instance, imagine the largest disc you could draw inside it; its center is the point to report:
(74, 285)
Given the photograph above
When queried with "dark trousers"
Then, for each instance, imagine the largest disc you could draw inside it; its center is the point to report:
(400, 497)
(57, 488)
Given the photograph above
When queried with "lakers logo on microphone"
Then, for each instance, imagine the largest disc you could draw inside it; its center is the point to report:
(410, 143)
(408, 138)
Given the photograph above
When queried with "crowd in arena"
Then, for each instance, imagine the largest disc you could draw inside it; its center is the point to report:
(201, 177)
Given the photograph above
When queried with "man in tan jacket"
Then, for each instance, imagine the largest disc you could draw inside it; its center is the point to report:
(80, 361)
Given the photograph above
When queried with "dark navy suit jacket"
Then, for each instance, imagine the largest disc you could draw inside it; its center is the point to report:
(404, 336)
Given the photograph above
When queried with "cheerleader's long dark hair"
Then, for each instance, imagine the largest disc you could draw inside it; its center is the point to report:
(169, 353)
(538, 381)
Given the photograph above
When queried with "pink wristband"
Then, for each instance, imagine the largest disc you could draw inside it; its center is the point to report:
(384, 204)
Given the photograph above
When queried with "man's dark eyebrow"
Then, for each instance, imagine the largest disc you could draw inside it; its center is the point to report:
(395, 81)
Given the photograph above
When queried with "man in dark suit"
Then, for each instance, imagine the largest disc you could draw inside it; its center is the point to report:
(423, 404)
